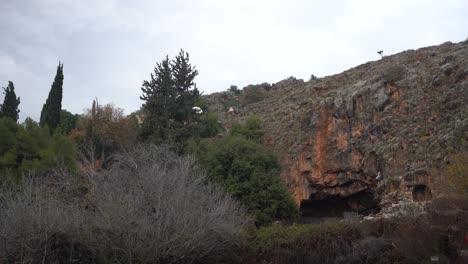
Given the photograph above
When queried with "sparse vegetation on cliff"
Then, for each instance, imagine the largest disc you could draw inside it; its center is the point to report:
(393, 74)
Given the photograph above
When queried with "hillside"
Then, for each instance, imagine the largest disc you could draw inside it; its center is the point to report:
(380, 131)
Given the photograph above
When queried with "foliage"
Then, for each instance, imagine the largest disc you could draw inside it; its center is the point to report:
(104, 130)
(313, 78)
(250, 173)
(29, 148)
(251, 129)
(68, 121)
(408, 239)
(169, 97)
(455, 180)
(252, 94)
(207, 126)
(9, 108)
(393, 74)
(50, 114)
(164, 213)
(234, 89)
(321, 243)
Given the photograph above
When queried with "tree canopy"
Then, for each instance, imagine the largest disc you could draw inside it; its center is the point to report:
(68, 121)
(9, 108)
(169, 97)
(50, 114)
(103, 130)
(28, 148)
(247, 170)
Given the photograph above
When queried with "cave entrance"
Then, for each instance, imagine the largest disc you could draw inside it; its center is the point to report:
(421, 193)
(334, 207)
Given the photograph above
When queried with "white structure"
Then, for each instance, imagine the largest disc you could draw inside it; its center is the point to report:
(198, 110)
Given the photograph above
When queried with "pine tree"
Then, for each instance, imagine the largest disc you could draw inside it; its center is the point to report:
(169, 97)
(9, 108)
(184, 76)
(159, 107)
(50, 114)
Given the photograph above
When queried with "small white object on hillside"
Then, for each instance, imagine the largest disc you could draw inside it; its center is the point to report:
(197, 109)
(379, 176)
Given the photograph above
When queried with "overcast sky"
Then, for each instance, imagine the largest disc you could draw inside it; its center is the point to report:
(109, 47)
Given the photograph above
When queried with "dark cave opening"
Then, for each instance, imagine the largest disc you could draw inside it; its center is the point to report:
(421, 193)
(362, 203)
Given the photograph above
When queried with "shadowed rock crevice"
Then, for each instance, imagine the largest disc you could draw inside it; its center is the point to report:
(334, 206)
(421, 193)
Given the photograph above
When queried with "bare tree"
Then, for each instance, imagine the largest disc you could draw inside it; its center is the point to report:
(151, 206)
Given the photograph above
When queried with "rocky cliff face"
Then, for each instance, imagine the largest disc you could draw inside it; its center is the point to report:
(383, 128)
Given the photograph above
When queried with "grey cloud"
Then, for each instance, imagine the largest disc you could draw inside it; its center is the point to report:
(110, 46)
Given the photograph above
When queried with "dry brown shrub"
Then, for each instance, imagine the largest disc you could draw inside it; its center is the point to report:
(152, 206)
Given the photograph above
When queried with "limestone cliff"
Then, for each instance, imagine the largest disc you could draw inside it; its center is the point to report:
(384, 127)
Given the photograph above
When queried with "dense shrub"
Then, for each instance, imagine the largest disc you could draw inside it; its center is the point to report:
(234, 89)
(102, 131)
(414, 238)
(454, 181)
(251, 129)
(207, 126)
(393, 74)
(150, 207)
(38, 227)
(249, 172)
(68, 121)
(322, 243)
(29, 148)
(376, 250)
(252, 94)
(406, 239)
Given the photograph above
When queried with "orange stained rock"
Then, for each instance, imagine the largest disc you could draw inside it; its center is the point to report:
(395, 93)
(357, 129)
(319, 151)
(305, 163)
(342, 140)
(330, 179)
(356, 159)
(376, 117)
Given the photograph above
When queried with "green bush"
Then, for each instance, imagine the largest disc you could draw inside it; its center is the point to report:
(252, 94)
(68, 121)
(207, 126)
(251, 129)
(234, 89)
(321, 243)
(250, 173)
(29, 148)
(393, 74)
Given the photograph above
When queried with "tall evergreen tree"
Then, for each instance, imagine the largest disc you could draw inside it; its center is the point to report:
(184, 76)
(9, 108)
(169, 97)
(159, 107)
(50, 114)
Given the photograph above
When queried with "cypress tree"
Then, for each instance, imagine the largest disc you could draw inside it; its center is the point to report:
(9, 108)
(50, 114)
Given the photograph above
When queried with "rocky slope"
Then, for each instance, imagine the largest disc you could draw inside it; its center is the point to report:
(384, 128)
